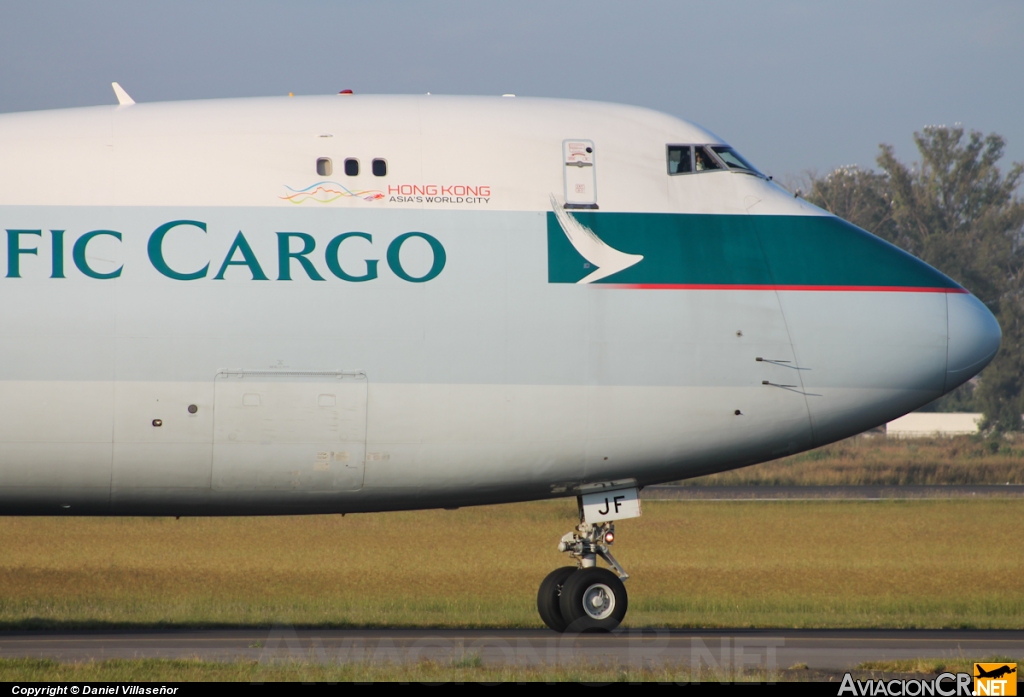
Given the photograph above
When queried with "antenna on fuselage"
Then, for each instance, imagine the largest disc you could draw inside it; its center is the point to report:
(122, 97)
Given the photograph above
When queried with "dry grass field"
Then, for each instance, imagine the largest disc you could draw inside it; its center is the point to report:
(877, 460)
(938, 563)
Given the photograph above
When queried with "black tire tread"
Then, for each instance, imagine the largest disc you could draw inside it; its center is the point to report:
(571, 601)
(548, 604)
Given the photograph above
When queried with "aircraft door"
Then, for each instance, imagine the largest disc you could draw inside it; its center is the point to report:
(289, 430)
(580, 173)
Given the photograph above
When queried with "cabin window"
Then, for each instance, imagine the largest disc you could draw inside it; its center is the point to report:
(324, 166)
(380, 168)
(680, 159)
(733, 160)
(352, 167)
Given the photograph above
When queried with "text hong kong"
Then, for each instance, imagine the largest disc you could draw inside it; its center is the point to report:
(297, 256)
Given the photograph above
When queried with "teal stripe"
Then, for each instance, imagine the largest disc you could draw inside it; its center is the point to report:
(741, 250)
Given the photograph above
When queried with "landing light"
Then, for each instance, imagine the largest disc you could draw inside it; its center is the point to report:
(609, 537)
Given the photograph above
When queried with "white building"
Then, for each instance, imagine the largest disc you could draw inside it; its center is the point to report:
(923, 424)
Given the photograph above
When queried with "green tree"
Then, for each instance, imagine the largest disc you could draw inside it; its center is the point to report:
(957, 211)
(857, 195)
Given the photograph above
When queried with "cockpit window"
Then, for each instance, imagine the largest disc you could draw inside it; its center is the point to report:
(680, 159)
(688, 159)
(734, 160)
(704, 161)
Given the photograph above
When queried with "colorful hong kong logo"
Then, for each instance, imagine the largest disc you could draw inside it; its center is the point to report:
(327, 191)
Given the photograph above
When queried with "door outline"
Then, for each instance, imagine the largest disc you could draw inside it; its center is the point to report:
(579, 168)
(290, 447)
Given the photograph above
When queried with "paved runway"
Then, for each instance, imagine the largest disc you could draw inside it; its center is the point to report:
(671, 492)
(721, 649)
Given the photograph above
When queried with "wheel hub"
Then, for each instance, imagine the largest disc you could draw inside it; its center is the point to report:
(599, 601)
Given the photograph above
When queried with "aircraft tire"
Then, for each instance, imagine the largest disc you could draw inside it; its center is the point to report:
(548, 597)
(593, 600)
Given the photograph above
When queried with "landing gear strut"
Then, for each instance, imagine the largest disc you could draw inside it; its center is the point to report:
(585, 598)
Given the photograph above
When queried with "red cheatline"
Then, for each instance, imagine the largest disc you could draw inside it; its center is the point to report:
(766, 286)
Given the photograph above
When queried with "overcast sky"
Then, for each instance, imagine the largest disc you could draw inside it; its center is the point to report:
(794, 85)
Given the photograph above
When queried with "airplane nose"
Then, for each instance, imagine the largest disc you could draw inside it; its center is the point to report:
(973, 338)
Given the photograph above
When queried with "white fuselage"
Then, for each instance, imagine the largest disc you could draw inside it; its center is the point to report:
(255, 357)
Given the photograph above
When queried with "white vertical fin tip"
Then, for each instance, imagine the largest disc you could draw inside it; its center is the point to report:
(122, 97)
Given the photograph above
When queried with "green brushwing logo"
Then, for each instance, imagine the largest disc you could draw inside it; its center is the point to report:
(600, 259)
(689, 250)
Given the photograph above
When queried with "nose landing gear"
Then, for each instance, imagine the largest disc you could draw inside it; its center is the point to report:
(585, 598)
